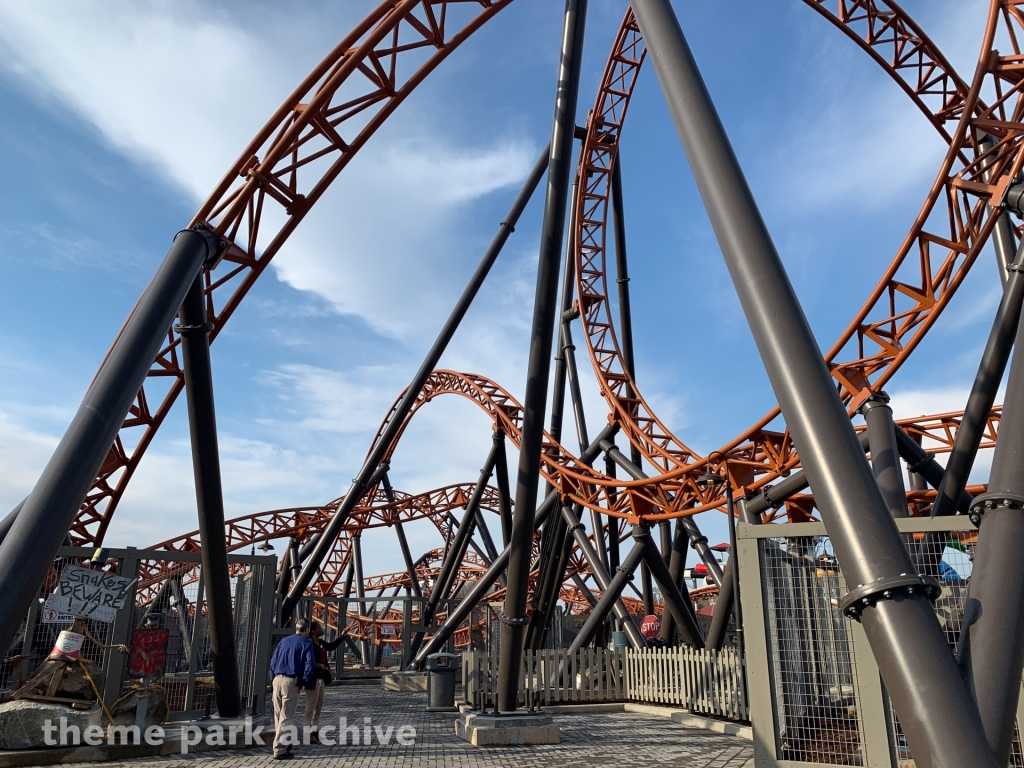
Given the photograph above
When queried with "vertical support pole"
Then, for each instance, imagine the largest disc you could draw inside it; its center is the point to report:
(983, 391)
(195, 351)
(995, 598)
(47, 514)
(676, 567)
(622, 280)
(885, 457)
(128, 567)
(545, 304)
(613, 522)
(935, 708)
(357, 564)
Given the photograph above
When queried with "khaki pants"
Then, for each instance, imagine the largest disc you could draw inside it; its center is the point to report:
(314, 703)
(286, 697)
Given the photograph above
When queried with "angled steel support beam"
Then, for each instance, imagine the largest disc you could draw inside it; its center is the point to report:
(983, 391)
(610, 597)
(698, 541)
(602, 577)
(202, 419)
(995, 597)
(679, 607)
(47, 514)
(362, 483)
(459, 613)
(941, 721)
(457, 553)
(923, 464)
(403, 542)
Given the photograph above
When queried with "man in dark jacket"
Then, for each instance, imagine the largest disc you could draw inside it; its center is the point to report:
(292, 666)
(322, 675)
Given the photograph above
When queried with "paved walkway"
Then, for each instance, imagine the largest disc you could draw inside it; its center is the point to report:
(622, 740)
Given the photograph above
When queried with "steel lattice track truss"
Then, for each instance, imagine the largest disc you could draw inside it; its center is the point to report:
(309, 141)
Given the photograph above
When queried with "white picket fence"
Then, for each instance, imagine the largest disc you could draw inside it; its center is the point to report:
(705, 682)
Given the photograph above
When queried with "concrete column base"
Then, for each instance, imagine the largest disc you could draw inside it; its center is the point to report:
(503, 730)
(404, 681)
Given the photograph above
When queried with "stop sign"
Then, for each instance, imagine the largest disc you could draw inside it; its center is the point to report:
(650, 627)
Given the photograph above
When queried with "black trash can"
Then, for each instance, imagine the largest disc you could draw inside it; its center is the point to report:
(441, 670)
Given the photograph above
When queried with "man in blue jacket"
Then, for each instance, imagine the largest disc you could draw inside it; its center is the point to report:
(292, 667)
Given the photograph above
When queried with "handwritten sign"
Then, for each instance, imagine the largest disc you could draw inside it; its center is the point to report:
(93, 594)
(149, 652)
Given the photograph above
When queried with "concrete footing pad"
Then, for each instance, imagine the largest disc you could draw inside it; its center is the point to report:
(404, 681)
(504, 730)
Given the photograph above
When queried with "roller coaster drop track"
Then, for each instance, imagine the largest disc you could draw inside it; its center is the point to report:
(332, 114)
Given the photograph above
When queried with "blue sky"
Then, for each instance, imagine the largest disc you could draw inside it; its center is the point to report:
(116, 120)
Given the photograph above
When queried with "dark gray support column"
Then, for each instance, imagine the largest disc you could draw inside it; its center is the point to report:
(922, 463)
(622, 280)
(581, 585)
(983, 392)
(195, 352)
(680, 608)
(357, 561)
(727, 605)
(885, 458)
(554, 591)
(504, 495)
(485, 536)
(47, 514)
(552, 543)
(611, 594)
(647, 585)
(403, 542)
(929, 694)
(602, 577)
(455, 556)
(545, 305)
(995, 597)
(361, 483)
(613, 522)
(676, 567)
(459, 613)
(346, 590)
(698, 541)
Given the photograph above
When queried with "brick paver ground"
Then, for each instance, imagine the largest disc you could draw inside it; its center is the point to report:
(622, 740)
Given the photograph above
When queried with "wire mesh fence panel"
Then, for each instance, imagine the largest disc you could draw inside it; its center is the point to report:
(948, 557)
(811, 659)
(168, 596)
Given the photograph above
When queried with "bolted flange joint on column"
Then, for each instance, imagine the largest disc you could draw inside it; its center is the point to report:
(214, 244)
(993, 499)
(887, 588)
